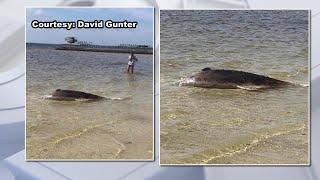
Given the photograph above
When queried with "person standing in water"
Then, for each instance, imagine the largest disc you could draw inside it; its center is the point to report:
(132, 59)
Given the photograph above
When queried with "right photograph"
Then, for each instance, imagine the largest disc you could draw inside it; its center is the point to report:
(234, 87)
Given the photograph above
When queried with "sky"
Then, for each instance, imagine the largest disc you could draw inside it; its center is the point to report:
(142, 35)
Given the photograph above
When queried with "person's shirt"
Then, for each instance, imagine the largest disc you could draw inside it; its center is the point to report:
(133, 58)
(130, 63)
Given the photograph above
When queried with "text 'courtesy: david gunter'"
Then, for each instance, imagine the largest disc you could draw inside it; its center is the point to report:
(68, 25)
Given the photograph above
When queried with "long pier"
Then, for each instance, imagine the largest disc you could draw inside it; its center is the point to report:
(106, 49)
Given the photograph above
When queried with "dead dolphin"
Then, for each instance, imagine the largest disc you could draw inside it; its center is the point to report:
(70, 95)
(231, 79)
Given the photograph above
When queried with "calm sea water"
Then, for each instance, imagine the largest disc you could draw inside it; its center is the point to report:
(109, 129)
(214, 126)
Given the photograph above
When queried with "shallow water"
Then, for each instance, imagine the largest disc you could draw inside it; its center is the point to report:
(218, 126)
(107, 129)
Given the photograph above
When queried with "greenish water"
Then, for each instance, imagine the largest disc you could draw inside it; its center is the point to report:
(219, 126)
(109, 129)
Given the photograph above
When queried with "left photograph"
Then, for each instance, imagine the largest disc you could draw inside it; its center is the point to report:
(89, 84)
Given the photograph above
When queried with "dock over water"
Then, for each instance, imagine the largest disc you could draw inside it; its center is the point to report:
(106, 49)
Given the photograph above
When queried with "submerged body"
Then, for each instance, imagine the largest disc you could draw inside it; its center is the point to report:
(70, 95)
(231, 79)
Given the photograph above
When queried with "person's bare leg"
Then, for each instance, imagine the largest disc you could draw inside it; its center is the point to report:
(128, 68)
(132, 69)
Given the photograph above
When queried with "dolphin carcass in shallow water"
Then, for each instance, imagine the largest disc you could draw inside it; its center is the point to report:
(232, 79)
(70, 95)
